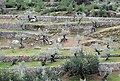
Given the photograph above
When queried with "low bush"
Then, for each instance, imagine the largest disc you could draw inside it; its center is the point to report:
(10, 3)
(82, 65)
(41, 74)
(9, 76)
(39, 6)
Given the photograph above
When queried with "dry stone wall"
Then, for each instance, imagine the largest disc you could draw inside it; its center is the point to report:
(101, 22)
(39, 57)
(6, 16)
(114, 65)
(5, 47)
(59, 18)
(13, 35)
(55, 26)
(31, 58)
(8, 25)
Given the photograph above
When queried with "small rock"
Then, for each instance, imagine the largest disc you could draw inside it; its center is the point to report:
(37, 47)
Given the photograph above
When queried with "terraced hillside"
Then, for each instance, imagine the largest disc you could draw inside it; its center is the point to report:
(79, 34)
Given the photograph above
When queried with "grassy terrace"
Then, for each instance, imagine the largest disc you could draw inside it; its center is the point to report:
(112, 59)
(33, 64)
(40, 22)
(26, 52)
(57, 63)
(30, 52)
(114, 77)
(116, 51)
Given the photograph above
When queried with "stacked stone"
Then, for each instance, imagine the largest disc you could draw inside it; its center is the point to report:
(13, 35)
(114, 65)
(9, 25)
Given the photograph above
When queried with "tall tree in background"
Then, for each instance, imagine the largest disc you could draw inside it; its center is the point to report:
(39, 5)
(82, 1)
(65, 3)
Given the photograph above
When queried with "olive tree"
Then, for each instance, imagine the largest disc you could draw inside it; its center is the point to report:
(79, 38)
(44, 36)
(109, 44)
(64, 33)
(21, 38)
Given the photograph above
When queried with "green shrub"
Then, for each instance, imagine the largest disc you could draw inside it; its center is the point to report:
(10, 3)
(21, 4)
(65, 3)
(82, 65)
(82, 7)
(112, 6)
(102, 13)
(9, 75)
(28, 76)
(40, 74)
(96, 6)
(39, 6)
(70, 8)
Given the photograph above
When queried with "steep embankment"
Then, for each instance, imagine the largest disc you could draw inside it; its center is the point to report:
(106, 32)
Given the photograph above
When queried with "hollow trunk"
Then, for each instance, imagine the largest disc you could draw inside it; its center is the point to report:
(82, 76)
(64, 36)
(64, 39)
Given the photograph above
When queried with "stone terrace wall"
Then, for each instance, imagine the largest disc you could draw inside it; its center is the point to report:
(7, 34)
(5, 47)
(31, 58)
(49, 26)
(8, 25)
(102, 22)
(59, 26)
(59, 18)
(103, 19)
(87, 25)
(13, 35)
(39, 57)
(6, 16)
(114, 65)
